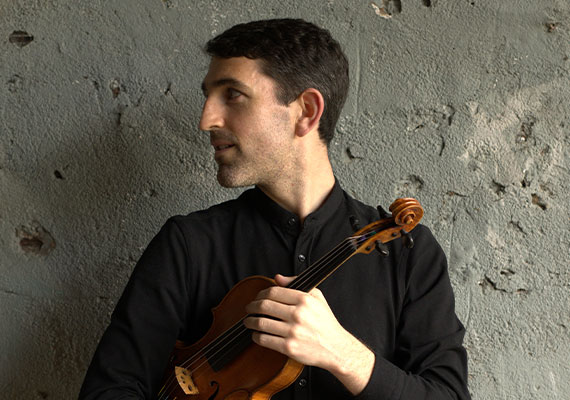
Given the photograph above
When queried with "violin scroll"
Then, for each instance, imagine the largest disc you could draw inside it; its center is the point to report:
(407, 211)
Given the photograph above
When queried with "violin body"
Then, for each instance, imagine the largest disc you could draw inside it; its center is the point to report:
(267, 371)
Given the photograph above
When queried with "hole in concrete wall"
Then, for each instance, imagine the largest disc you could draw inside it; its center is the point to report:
(352, 154)
(551, 26)
(537, 201)
(516, 225)
(169, 3)
(20, 38)
(42, 394)
(168, 89)
(35, 239)
(442, 146)
(58, 174)
(150, 193)
(387, 8)
(15, 83)
(409, 186)
(427, 3)
(115, 87)
(498, 188)
(525, 133)
(31, 245)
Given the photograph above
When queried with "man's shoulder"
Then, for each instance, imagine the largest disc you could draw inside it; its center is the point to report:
(222, 213)
(363, 212)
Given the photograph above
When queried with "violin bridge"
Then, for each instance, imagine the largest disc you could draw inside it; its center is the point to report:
(185, 381)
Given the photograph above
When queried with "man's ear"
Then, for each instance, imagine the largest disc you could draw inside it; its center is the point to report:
(312, 106)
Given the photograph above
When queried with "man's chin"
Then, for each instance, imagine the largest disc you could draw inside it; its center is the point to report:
(229, 180)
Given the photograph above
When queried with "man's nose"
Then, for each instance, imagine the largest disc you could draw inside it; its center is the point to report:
(212, 117)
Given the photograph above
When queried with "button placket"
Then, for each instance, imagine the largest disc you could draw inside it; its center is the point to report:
(301, 250)
(302, 387)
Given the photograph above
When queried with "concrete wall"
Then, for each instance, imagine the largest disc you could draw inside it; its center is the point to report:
(463, 104)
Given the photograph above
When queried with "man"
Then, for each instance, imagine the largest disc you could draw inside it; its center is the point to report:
(382, 327)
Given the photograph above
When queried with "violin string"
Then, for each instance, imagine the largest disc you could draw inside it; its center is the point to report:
(237, 331)
(311, 279)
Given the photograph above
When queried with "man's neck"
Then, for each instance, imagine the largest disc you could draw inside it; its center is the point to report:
(305, 191)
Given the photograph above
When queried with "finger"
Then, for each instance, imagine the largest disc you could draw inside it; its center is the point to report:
(281, 295)
(267, 325)
(270, 308)
(284, 280)
(272, 342)
(317, 294)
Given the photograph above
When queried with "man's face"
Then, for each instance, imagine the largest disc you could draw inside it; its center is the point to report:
(251, 132)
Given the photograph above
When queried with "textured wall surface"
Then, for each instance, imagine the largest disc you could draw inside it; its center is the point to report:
(463, 104)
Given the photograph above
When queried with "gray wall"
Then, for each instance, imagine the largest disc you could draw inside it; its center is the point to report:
(462, 103)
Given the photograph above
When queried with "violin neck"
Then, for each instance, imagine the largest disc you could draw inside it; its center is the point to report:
(324, 266)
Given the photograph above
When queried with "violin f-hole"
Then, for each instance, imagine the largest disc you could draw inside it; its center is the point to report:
(217, 385)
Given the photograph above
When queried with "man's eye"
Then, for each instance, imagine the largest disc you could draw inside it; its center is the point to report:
(233, 94)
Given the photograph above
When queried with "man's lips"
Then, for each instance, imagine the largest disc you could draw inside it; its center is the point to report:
(221, 143)
(221, 147)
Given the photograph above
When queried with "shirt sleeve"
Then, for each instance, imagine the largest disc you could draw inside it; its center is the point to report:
(429, 361)
(133, 352)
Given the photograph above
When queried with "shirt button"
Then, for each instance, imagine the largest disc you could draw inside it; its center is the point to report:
(302, 382)
(301, 257)
(292, 222)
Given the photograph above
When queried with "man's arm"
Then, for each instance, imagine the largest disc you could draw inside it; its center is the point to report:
(132, 354)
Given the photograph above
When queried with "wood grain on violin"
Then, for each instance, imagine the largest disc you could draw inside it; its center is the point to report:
(226, 364)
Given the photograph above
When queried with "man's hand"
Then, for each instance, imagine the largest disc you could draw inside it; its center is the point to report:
(303, 327)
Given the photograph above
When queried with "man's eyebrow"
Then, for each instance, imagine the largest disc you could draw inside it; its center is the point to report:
(223, 82)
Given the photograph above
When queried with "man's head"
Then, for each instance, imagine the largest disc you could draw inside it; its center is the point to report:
(297, 55)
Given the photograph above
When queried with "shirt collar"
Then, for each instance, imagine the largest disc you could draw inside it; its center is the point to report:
(289, 221)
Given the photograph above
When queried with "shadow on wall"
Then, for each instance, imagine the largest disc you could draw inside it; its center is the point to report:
(93, 203)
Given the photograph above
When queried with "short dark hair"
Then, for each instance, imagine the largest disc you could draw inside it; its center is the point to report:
(296, 54)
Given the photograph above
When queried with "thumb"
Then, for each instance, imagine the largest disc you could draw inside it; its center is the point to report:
(283, 280)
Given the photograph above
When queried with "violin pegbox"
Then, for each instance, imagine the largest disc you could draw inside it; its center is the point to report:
(406, 214)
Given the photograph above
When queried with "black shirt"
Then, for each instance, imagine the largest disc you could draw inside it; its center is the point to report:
(401, 305)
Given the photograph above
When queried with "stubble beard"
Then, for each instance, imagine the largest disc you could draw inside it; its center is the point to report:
(235, 174)
(228, 177)
(242, 173)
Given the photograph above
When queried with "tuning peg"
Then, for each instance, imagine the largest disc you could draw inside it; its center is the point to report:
(407, 238)
(382, 248)
(354, 222)
(383, 213)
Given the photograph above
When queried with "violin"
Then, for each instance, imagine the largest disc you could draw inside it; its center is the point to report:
(226, 364)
